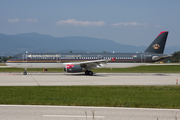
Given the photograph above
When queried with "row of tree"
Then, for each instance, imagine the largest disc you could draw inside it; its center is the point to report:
(3, 59)
(174, 59)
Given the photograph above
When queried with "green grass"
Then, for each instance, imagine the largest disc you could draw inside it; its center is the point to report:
(140, 69)
(111, 96)
(143, 69)
(30, 70)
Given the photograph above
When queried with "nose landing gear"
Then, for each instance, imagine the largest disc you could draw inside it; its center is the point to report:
(25, 72)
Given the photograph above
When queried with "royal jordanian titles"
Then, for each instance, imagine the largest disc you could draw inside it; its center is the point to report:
(84, 62)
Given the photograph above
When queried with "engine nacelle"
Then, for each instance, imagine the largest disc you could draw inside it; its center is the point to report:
(73, 68)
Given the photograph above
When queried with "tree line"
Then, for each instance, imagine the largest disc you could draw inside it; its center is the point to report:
(174, 59)
(3, 59)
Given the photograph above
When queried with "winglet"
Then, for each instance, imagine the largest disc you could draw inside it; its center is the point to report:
(113, 59)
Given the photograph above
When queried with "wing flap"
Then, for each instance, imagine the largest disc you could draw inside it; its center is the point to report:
(93, 63)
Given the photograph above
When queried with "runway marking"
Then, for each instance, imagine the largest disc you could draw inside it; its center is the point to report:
(73, 116)
(35, 81)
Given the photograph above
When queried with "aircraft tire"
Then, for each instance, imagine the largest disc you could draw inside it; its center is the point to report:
(25, 73)
(90, 73)
(87, 72)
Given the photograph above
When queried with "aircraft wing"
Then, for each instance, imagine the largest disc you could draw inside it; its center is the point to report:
(93, 64)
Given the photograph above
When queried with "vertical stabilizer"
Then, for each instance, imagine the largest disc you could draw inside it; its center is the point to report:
(157, 46)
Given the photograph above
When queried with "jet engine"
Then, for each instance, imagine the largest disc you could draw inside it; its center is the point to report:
(73, 68)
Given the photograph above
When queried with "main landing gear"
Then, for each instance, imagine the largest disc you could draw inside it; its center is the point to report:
(25, 72)
(87, 72)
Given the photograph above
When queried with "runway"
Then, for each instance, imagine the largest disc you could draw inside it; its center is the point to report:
(34, 112)
(79, 79)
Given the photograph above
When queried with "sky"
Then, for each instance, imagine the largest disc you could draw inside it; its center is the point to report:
(130, 22)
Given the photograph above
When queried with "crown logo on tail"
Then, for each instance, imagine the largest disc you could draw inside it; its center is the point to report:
(156, 46)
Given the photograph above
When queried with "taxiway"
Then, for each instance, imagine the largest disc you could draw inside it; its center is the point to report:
(34, 112)
(65, 79)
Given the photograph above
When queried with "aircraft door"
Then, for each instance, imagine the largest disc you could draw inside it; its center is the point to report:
(24, 57)
(99, 57)
(143, 58)
(58, 58)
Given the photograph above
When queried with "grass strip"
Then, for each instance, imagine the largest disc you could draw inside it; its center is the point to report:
(30, 70)
(143, 69)
(140, 69)
(111, 96)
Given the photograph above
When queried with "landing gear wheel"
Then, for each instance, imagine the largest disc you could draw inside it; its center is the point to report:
(90, 73)
(25, 73)
(87, 72)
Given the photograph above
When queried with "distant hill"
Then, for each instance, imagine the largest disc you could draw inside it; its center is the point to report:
(34, 42)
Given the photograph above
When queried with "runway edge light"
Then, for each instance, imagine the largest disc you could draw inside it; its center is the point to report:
(176, 81)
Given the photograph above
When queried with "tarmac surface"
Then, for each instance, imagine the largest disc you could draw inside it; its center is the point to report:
(34, 112)
(79, 79)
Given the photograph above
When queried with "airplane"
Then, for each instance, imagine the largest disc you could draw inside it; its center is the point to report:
(84, 62)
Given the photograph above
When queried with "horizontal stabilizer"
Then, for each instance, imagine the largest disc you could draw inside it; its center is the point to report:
(161, 57)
